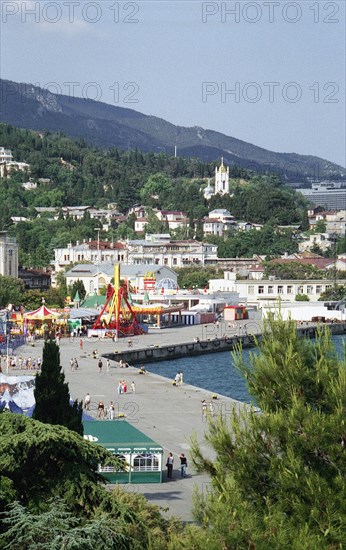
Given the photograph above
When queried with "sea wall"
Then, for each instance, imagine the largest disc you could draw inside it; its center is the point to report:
(177, 350)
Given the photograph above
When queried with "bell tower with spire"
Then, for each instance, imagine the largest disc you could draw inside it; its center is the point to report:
(222, 179)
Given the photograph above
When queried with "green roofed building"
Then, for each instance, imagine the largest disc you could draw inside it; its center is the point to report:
(141, 454)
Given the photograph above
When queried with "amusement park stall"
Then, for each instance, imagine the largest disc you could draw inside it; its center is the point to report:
(141, 455)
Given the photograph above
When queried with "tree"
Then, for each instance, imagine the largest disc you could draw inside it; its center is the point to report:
(336, 293)
(320, 226)
(279, 477)
(78, 286)
(11, 291)
(57, 528)
(52, 393)
(53, 496)
(39, 461)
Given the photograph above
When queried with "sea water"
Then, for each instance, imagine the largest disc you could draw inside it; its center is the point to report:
(215, 371)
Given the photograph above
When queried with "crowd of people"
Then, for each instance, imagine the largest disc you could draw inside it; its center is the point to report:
(19, 362)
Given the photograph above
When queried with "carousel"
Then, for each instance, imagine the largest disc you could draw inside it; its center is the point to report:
(41, 322)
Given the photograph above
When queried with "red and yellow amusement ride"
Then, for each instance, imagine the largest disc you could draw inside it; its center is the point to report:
(117, 314)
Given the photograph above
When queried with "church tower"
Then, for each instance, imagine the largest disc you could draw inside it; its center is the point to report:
(222, 179)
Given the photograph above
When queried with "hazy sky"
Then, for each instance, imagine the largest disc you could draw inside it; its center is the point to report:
(271, 73)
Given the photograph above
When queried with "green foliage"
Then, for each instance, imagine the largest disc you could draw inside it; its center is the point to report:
(262, 201)
(302, 298)
(292, 270)
(320, 226)
(57, 528)
(52, 474)
(269, 241)
(52, 393)
(78, 286)
(279, 476)
(334, 293)
(40, 461)
(197, 277)
(128, 178)
(11, 291)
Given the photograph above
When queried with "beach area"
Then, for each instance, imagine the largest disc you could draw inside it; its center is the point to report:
(166, 413)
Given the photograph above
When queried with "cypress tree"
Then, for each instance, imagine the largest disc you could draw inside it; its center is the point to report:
(52, 394)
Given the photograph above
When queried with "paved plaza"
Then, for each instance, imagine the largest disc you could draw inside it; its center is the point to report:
(166, 413)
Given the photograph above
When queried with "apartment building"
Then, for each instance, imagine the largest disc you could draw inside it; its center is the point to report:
(96, 252)
(170, 253)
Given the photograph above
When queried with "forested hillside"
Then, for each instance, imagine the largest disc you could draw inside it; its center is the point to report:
(69, 173)
(105, 125)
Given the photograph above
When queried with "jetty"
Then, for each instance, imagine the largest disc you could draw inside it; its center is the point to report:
(210, 339)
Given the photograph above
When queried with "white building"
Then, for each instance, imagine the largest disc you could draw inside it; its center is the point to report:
(97, 252)
(29, 185)
(8, 255)
(5, 155)
(173, 218)
(140, 224)
(222, 179)
(285, 290)
(171, 253)
(96, 277)
(218, 222)
(221, 182)
(213, 226)
(322, 240)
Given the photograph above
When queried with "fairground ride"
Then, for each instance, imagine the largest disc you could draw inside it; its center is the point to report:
(117, 314)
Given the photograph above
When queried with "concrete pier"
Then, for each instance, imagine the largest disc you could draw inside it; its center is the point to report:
(222, 340)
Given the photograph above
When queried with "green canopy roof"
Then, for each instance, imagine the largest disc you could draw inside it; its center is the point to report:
(94, 301)
(120, 437)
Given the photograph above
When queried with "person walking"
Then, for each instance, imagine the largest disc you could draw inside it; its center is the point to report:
(111, 410)
(100, 365)
(183, 465)
(108, 365)
(87, 400)
(204, 408)
(80, 344)
(133, 387)
(169, 464)
(101, 410)
(181, 378)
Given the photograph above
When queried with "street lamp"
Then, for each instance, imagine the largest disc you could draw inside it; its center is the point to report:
(97, 258)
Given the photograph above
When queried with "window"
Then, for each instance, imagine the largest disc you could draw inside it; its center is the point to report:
(261, 289)
(146, 463)
(280, 289)
(251, 289)
(174, 261)
(110, 469)
(300, 289)
(318, 289)
(289, 289)
(309, 289)
(270, 289)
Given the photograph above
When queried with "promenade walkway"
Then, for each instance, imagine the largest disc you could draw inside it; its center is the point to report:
(166, 413)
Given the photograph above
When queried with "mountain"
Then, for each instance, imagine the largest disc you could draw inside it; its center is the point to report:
(103, 125)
